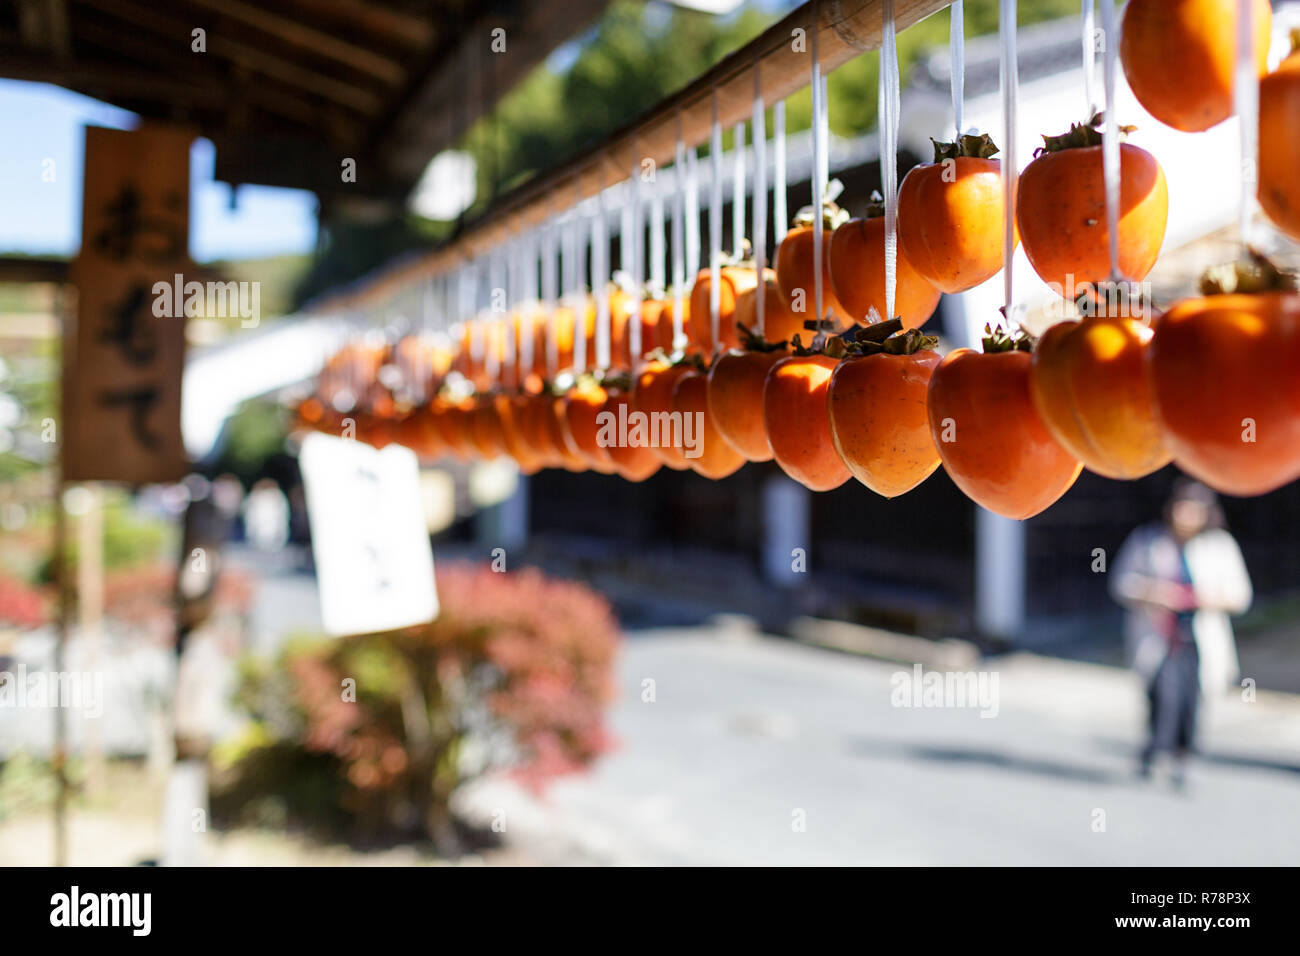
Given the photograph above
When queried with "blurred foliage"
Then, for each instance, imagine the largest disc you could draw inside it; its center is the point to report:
(253, 435)
(278, 279)
(640, 53)
(515, 673)
(637, 54)
(28, 784)
(131, 539)
(29, 376)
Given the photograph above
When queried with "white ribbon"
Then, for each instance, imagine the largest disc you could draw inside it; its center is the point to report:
(957, 56)
(889, 121)
(715, 221)
(600, 280)
(1090, 52)
(1245, 94)
(633, 243)
(1110, 166)
(738, 192)
(780, 214)
(760, 199)
(679, 252)
(1009, 76)
(817, 182)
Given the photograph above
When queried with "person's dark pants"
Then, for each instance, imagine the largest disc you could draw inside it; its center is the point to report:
(1173, 694)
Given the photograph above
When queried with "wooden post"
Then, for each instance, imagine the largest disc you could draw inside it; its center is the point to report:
(90, 618)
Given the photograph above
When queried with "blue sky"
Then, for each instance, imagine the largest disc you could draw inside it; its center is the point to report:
(40, 122)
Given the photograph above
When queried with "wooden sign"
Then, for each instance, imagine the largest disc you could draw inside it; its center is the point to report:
(122, 359)
(369, 537)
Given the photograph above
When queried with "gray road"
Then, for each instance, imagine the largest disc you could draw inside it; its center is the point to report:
(745, 733)
(748, 736)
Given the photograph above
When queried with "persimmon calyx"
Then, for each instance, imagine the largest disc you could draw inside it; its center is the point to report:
(1079, 136)
(1252, 273)
(875, 206)
(824, 337)
(1001, 340)
(751, 341)
(886, 338)
(1112, 297)
(968, 145)
(832, 215)
(622, 381)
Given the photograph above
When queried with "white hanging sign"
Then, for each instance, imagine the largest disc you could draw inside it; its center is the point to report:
(374, 564)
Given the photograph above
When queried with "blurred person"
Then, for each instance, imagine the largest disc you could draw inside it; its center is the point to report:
(1179, 579)
(266, 516)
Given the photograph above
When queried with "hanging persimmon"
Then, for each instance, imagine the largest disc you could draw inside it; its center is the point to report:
(1061, 210)
(418, 432)
(631, 451)
(950, 215)
(992, 442)
(1279, 142)
(485, 428)
(794, 416)
(1089, 383)
(510, 414)
(570, 459)
(582, 428)
(796, 269)
(563, 328)
(736, 381)
(733, 280)
(652, 396)
(704, 448)
(452, 419)
(876, 405)
(1223, 368)
(779, 323)
(857, 271)
(1180, 57)
(648, 316)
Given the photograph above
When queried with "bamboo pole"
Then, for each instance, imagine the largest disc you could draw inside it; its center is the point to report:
(844, 29)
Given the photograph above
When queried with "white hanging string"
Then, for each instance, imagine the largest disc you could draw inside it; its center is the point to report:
(1110, 138)
(780, 214)
(636, 245)
(510, 375)
(817, 183)
(528, 318)
(1009, 77)
(738, 192)
(600, 280)
(957, 56)
(1090, 52)
(658, 274)
(625, 230)
(693, 250)
(579, 297)
(889, 121)
(824, 130)
(1245, 94)
(634, 304)
(679, 252)
(715, 221)
(760, 199)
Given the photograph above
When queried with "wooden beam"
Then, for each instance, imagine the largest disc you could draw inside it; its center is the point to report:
(309, 38)
(844, 29)
(109, 80)
(251, 58)
(457, 85)
(19, 269)
(396, 25)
